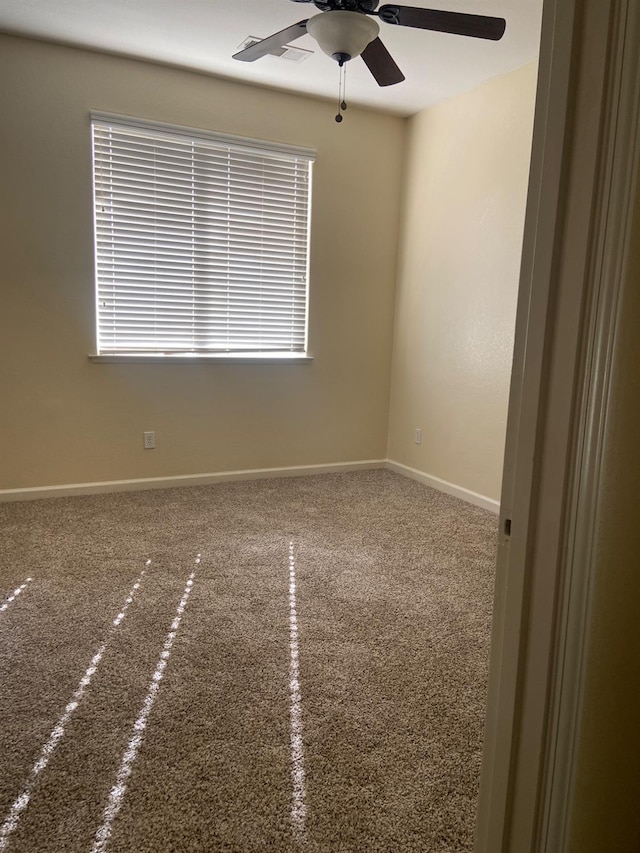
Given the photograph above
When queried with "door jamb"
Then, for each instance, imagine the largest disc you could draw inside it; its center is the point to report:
(585, 157)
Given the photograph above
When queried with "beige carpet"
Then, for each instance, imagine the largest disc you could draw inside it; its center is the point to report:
(280, 665)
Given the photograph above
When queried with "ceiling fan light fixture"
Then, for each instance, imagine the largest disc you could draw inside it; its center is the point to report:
(343, 35)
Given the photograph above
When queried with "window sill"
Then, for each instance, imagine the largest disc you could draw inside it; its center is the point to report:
(202, 358)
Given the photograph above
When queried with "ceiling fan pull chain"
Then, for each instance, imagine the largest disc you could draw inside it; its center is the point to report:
(343, 103)
(342, 85)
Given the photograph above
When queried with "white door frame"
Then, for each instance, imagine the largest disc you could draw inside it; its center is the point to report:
(585, 161)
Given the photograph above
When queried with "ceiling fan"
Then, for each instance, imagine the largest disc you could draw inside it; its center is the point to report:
(346, 29)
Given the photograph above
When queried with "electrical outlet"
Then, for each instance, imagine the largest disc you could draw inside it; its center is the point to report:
(149, 440)
(418, 436)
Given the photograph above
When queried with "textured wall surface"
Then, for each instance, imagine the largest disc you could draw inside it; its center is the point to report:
(64, 419)
(466, 182)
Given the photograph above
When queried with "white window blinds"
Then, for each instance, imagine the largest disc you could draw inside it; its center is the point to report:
(202, 241)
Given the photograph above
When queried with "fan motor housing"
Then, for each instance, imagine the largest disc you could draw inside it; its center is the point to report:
(345, 5)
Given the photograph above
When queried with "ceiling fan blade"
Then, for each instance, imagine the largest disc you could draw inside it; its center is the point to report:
(459, 23)
(381, 64)
(262, 48)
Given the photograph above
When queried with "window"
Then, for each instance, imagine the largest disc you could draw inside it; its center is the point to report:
(202, 241)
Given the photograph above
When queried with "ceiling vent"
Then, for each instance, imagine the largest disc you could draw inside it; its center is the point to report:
(291, 54)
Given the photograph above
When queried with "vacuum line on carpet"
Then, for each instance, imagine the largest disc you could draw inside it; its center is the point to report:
(14, 595)
(116, 795)
(298, 806)
(21, 802)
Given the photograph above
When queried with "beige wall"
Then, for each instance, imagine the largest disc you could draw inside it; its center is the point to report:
(605, 813)
(466, 180)
(64, 419)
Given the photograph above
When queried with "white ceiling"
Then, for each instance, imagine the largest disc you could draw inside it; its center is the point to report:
(203, 34)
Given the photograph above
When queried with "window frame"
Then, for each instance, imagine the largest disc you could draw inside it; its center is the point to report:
(241, 145)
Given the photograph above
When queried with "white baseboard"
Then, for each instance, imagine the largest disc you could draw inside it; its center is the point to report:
(443, 486)
(38, 492)
(69, 490)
